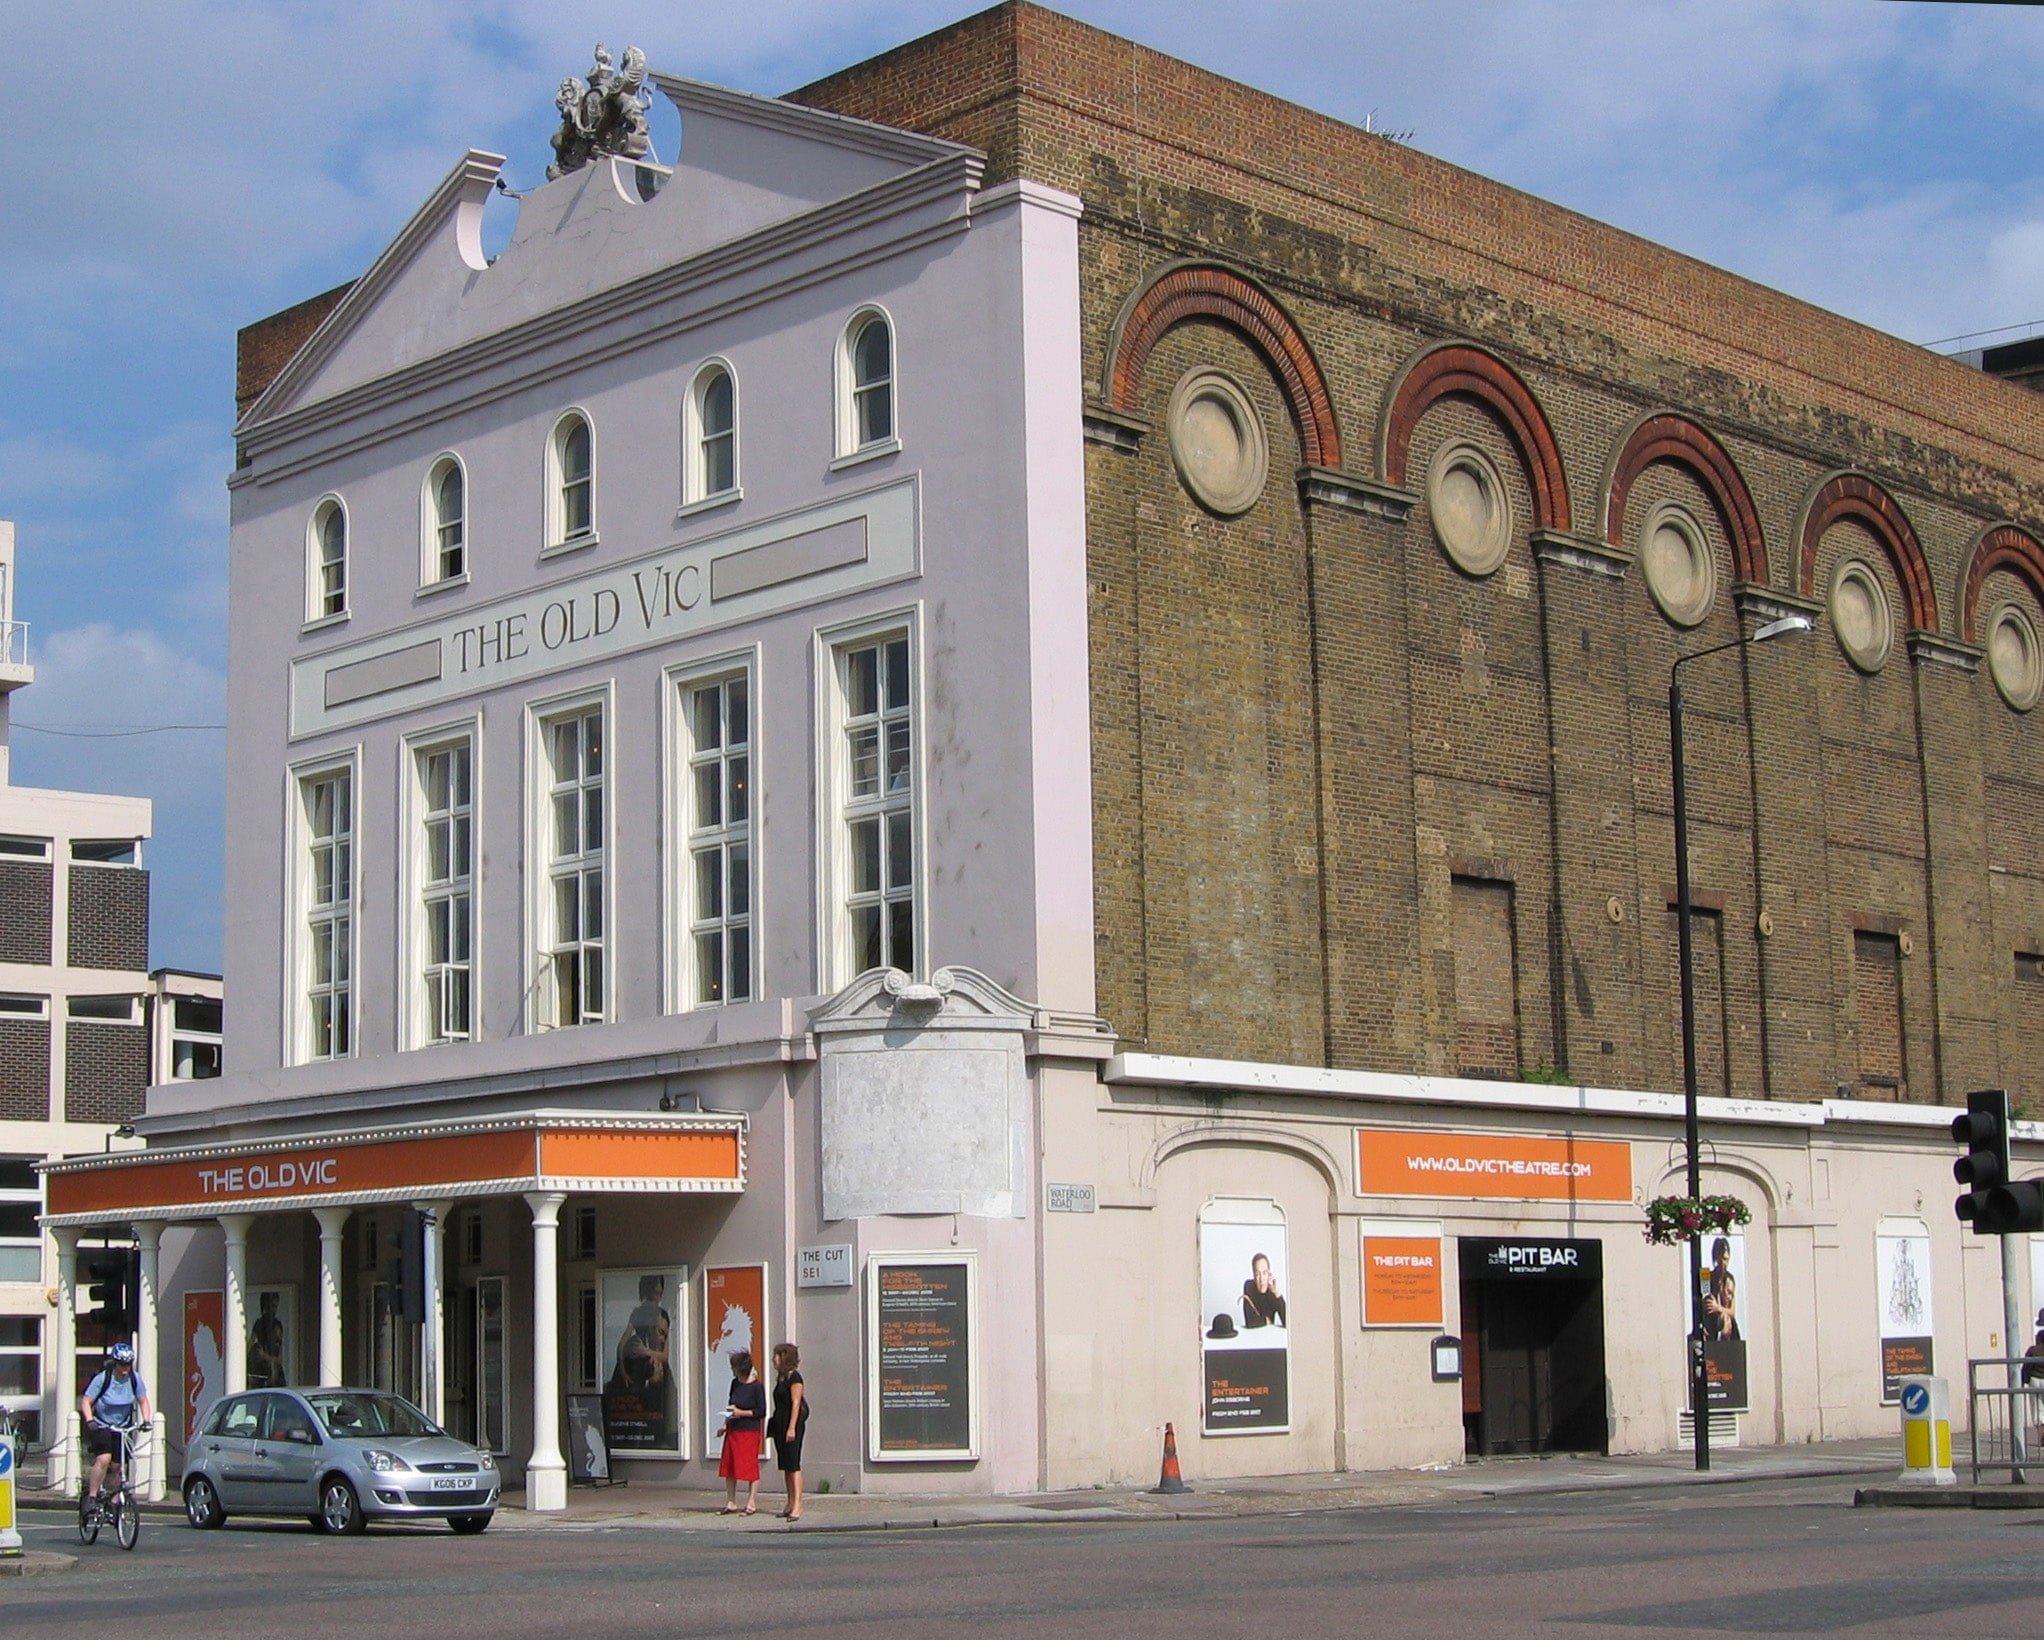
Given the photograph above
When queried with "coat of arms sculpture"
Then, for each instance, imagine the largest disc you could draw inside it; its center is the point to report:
(606, 114)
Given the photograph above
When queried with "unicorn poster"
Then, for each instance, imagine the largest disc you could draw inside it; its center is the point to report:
(734, 1319)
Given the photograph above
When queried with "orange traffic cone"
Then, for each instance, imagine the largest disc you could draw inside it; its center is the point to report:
(1170, 1481)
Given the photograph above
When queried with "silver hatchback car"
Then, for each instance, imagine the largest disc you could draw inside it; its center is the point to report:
(336, 1457)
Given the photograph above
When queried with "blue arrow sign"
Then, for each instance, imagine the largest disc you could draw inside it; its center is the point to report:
(1915, 1400)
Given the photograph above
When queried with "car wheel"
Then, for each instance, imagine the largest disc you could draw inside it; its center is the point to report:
(202, 1504)
(340, 1511)
(468, 1525)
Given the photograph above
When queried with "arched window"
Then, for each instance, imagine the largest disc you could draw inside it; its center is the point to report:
(866, 419)
(712, 433)
(570, 485)
(326, 581)
(445, 556)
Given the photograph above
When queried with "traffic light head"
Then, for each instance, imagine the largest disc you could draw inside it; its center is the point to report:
(1994, 1204)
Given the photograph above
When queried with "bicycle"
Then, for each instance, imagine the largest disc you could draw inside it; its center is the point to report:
(116, 1504)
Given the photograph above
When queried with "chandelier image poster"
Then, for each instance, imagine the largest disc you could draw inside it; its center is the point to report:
(1902, 1278)
(1245, 1317)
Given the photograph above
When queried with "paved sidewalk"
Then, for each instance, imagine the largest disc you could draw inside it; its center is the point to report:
(594, 1509)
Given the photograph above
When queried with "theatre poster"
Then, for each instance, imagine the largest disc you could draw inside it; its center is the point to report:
(1902, 1290)
(921, 1366)
(1245, 1283)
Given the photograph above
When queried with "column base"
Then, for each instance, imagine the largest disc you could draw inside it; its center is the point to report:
(546, 1490)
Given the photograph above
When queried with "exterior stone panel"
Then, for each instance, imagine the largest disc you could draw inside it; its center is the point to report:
(109, 918)
(25, 911)
(24, 1070)
(106, 1067)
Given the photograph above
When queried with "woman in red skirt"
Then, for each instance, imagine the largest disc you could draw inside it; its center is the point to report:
(744, 1413)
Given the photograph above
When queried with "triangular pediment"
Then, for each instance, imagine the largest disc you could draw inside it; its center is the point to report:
(747, 164)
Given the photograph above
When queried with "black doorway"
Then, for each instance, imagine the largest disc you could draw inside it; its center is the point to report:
(1533, 1347)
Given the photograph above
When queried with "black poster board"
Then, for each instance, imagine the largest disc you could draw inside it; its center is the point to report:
(920, 1372)
(588, 1442)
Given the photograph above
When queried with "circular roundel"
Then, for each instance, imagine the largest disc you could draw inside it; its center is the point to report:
(1681, 573)
(1217, 442)
(2014, 657)
(1470, 508)
(1860, 617)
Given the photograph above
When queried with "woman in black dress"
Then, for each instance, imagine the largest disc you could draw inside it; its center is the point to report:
(790, 1420)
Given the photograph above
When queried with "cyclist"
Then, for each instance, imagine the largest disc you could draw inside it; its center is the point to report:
(115, 1400)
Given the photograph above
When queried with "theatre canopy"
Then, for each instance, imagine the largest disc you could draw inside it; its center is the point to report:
(623, 1153)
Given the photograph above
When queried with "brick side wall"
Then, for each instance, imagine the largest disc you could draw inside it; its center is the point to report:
(24, 1070)
(25, 907)
(262, 349)
(109, 917)
(106, 1067)
(1307, 722)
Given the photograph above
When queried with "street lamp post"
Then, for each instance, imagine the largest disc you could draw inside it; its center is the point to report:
(1699, 1377)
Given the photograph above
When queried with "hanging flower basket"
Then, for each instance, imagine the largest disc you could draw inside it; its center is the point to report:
(1672, 1220)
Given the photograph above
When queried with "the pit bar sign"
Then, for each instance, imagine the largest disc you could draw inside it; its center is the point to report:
(1533, 1260)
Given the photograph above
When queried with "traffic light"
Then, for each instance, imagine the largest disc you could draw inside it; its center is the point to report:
(114, 1277)
(1994, 1203)
(404, 1271)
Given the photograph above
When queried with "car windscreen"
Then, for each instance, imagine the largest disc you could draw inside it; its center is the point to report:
(350, 1415)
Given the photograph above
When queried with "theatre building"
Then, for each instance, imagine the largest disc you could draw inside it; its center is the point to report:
(1011, 719)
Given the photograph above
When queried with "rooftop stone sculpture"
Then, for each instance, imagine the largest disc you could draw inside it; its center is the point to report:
(606, 114)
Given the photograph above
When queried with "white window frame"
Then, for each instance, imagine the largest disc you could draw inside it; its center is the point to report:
(836, 963)
(416, 891)
(33, 1197)
(299, 907)
(18, 1005)
(184, 1035)
(679, 897)
(850, 451)
(134, 843)
(25, 848)
(541, 999)
(557, 538)
(433, 547)
(317, 598)
(129, 1014)
(696, 494)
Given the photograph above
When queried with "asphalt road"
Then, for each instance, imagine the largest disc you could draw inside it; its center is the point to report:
(1750, 1559)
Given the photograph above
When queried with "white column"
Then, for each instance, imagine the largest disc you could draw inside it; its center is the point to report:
(61, 1431)
(333, 1221)
(148, 1352)
(234, 1301)
(546, 1471)
(433, 1331)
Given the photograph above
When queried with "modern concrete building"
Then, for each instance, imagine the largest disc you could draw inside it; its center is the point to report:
(76, 1010)
(975, 727)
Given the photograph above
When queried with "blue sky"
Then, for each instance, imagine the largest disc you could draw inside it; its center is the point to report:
(206, 164)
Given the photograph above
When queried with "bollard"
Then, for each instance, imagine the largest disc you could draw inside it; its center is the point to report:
(1926, 1433)
(10, 1536)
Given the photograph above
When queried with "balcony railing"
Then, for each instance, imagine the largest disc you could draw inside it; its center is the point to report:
(13, 643)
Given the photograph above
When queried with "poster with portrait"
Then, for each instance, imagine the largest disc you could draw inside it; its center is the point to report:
(1721, 1287)
(734, 1320)
(1902, 1289)
(588, 1451)
(644, 1336)
(1245, 1317)
(272, 1337)
(205, 1356)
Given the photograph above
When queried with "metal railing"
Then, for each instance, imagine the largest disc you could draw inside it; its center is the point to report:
(2005, 1414)
(13, 643)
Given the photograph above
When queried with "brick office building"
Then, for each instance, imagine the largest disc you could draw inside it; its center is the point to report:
(1373, 502)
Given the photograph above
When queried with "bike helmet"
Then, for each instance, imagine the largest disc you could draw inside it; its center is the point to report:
(123, 1353)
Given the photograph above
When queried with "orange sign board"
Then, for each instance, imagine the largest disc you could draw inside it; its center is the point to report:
(324, 1168)
(1489, 1166)
(1402, 1281)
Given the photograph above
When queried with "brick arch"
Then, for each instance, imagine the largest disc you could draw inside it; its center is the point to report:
(1669, 436)
(1208, 290)
(1855, 496)
(2004, 546)
(1463, 368)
